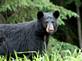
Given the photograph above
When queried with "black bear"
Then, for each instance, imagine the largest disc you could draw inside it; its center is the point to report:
(28, 36)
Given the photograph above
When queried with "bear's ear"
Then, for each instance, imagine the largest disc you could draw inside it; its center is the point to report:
(40, 15)
(56, 14)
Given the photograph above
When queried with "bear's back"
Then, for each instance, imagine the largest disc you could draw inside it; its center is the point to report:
(11, 27)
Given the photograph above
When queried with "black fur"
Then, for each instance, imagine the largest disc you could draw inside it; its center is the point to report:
(26, 36)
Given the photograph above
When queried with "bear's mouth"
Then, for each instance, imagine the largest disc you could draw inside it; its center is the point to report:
(50, 31)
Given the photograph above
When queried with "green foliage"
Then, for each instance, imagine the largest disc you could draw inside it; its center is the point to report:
(59, 46)
(65, 2)
(25, 10)
(77, 2)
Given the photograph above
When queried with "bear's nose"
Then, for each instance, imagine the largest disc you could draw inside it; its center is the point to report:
(50, 28)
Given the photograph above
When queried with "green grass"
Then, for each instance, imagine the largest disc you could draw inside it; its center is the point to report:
(56, 51)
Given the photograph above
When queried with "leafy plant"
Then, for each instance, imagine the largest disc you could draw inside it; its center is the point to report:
(26, 10)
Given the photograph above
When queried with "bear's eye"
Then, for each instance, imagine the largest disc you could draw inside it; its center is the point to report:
(46, 21)
(52, 21)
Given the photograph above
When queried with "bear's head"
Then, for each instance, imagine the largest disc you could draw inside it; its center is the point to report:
(48, 21)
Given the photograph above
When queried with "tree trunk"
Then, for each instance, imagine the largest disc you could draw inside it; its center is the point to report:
(79, 26)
